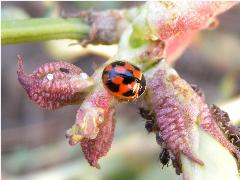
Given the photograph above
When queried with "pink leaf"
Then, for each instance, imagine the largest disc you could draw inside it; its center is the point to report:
(177, 108)
(171, 18)
(176, 45)
(94, 149)
(176, 23)
(209, 124)
(55, 84)
(94, 126)
(174, 118)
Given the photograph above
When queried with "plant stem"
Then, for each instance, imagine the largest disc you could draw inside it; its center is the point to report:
(41, 29)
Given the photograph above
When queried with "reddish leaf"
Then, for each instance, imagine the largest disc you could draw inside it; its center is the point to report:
(94, 126)
(168, 19)
(177, 108)
(94, 149)
(55, 84)
(175, 24)
(176, 45)
(210, 125)
(173, 117)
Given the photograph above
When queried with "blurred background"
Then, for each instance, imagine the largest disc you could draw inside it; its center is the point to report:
(33, 139)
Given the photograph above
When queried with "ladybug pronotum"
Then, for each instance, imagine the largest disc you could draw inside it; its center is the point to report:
(124, 80)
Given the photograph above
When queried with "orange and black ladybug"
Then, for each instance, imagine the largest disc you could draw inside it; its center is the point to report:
(124, 80)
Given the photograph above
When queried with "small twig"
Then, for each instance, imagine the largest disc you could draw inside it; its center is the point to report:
(41, 29)
(104, 27)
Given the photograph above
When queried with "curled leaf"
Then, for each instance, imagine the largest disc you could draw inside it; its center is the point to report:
(94, 126)
(167, 19)
(176, 45)
(55, 84)
(175, 118)
(94, 149)
(178, 108)
(232, 132)
(209, 124)
(90, 116)
(172, 23)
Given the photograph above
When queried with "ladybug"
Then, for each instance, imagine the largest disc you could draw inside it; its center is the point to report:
(123, 80)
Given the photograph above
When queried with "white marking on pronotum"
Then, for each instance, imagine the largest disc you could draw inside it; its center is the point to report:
(50, 77)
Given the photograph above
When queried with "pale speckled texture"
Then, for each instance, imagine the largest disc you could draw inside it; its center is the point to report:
(63, 89)
(94, 127)
(94, 149)
(209, 124)
(166, 19)
(173, 117)
(92, 113)
(178, 108)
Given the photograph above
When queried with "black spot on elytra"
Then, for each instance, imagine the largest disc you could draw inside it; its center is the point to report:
(118, 63)
(129, 93)
(64, 70)
(113, 87)
(128, 79)
(129, 72)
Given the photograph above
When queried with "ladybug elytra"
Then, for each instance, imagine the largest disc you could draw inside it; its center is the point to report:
(124, 80)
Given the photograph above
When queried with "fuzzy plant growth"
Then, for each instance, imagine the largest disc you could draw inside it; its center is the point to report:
(151, 37)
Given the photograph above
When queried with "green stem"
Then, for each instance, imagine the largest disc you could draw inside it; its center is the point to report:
(41, 29)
